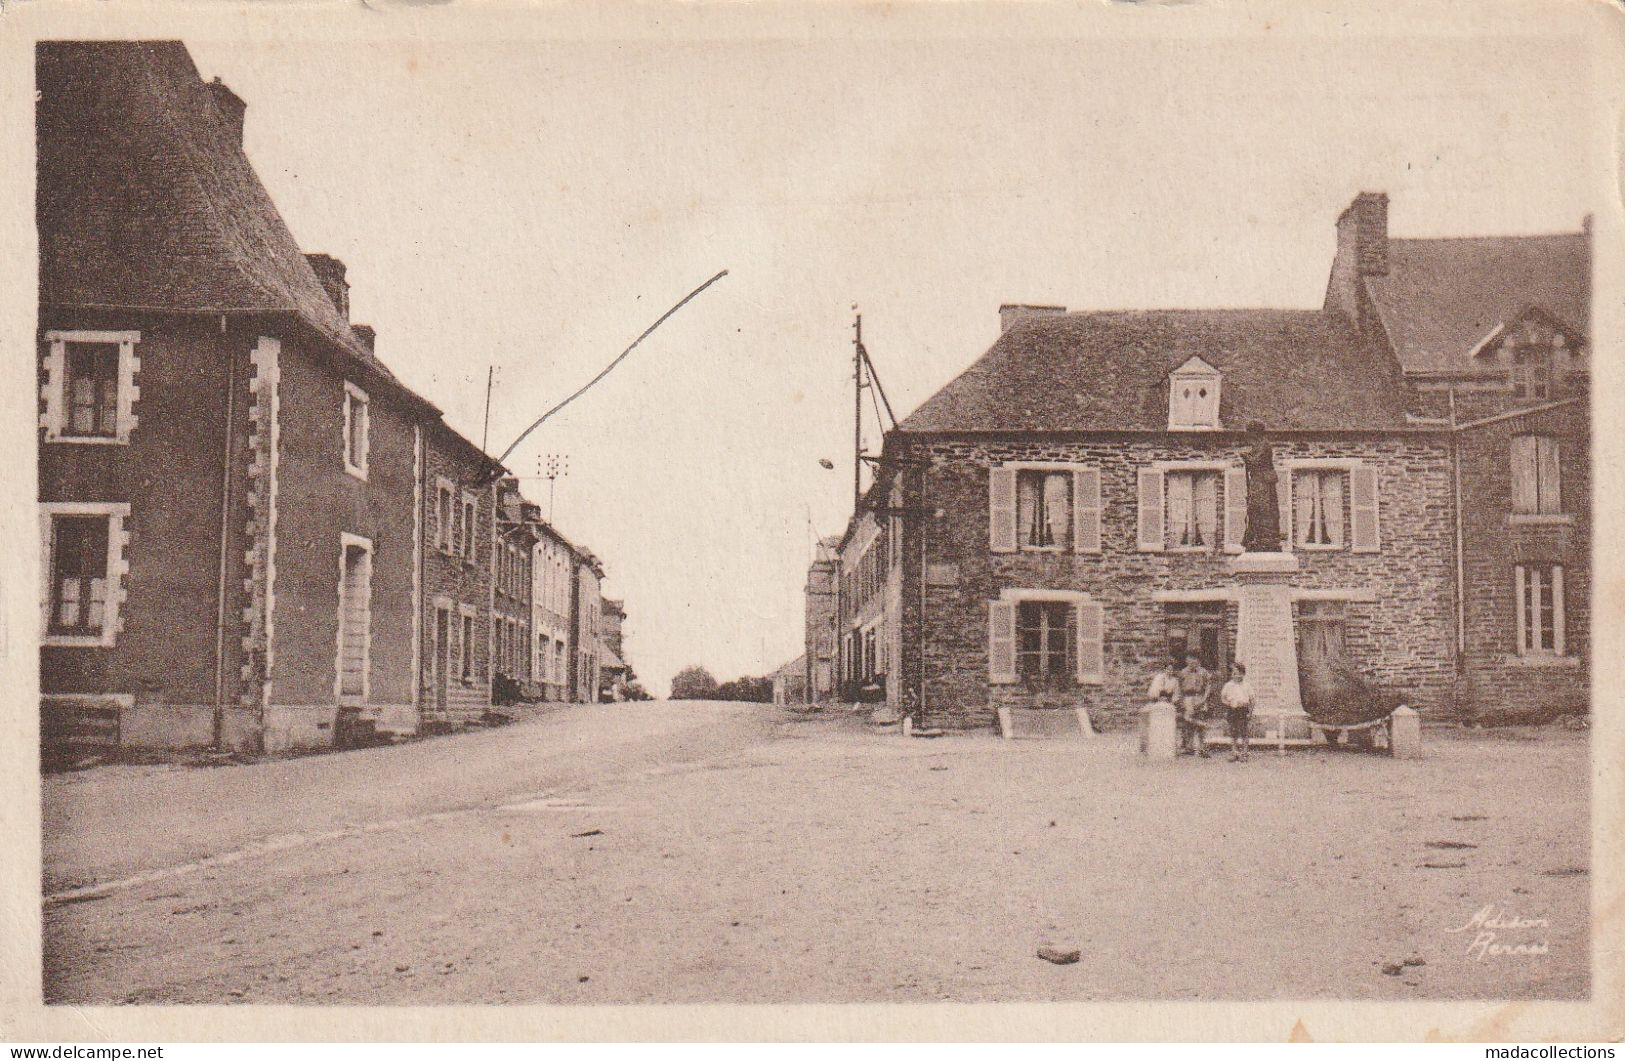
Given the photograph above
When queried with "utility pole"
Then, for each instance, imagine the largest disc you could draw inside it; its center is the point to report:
(857, 412)
(485, 433)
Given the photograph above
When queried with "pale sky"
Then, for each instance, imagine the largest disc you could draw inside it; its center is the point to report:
(534, 206)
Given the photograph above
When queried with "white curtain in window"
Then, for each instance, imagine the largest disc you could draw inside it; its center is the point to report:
(1205, 502)
(1058, 508)
(1180, 529)
(1030, 526)
(1331, 506)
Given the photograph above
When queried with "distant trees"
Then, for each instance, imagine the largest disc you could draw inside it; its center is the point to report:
(755, 690)
(696, 683)
(693, 683)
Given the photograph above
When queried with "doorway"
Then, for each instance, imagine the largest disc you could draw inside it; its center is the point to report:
(1200, 628)
(355, 620)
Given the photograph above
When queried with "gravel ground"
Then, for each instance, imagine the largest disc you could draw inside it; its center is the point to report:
(706, 854)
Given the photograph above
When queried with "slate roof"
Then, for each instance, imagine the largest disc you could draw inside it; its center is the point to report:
(145, 199)
(1442, 296)
(1106, 371)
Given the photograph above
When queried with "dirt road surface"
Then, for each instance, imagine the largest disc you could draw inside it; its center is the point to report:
(710, 853)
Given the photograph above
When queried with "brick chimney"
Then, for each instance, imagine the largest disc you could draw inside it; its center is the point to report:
(367, 334)
(230, 107)
(1362, 250)
(1010, 313)
(330, 271)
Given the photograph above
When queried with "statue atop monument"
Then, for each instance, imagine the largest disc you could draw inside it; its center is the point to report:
(1263, 534)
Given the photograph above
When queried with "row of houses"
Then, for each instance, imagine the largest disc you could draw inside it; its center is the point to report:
(1066, 515)
(254, 535)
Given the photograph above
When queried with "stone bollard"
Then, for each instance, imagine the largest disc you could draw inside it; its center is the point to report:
(1159, 738)
(1405, 734)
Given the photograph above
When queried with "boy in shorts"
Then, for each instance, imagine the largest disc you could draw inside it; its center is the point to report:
(1237, 698)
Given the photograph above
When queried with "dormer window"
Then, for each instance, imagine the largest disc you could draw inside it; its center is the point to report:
(1193, 397)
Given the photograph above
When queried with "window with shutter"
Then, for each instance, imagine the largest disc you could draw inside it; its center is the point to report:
(1317, 500)
(1091, 625)
(1192, 510)
(1086, 510)
(1235, 508)
(1536, 475)
(1044, 513)
(1001, 642)
(1365, 527)
(1001, 509)
(1150, 536)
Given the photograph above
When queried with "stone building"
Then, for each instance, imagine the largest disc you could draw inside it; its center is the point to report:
(821, 629)
(226, 469)
(587, 612)
(615, 672)
(1067, 514)
(1076, 536)
(455, 571)
(553, 597)
(1492, 334)
(512, 610)
(253, 534)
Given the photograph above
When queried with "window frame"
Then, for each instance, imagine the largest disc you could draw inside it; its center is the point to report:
(467, 626)
(1042, 473)
(1536, 480)
(1185, 416)
(1194, 470)
(1343, 531)
(470, 516)
(356, 399)
(56, 415)
(445, 518)
(117, 571)
(1526, 578)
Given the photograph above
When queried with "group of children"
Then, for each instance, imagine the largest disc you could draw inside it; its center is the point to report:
(1188, 689)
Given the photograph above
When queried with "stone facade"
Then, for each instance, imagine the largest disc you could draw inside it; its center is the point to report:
(554, 571)
(822, 589)
(587, 614)
(1503, 678)
(458, 538)
(1396, 600)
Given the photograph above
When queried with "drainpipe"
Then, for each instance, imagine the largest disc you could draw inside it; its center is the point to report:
(225, 527)
(919, 706)
(1455, 472)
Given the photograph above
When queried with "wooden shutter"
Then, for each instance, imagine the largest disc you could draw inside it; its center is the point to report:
(1525, 493)
(1520, 585)
(1091, 618)
(1086, 510)
(1235, 507)
(1001, 509)
(1284, 486)
(1548, 477)
(1363, 509)
(1150, 512)
(1001, 641)
(1559, 621)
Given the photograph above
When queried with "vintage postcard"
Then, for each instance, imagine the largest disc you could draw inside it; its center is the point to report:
(792, 521)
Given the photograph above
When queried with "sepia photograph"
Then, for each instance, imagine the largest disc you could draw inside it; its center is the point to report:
(957, 506)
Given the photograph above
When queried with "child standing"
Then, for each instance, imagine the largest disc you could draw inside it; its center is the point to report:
(1237, 698)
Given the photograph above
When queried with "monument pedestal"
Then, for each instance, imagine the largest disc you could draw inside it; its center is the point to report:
(1267, 644)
